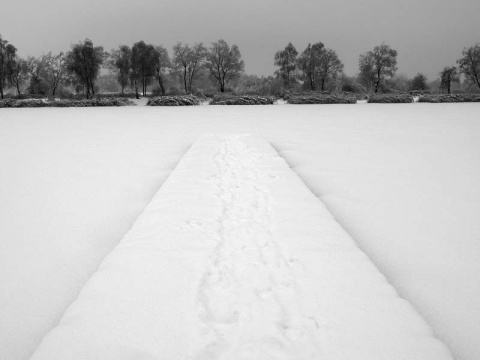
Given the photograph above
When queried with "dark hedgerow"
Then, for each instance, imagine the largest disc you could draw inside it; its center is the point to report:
(320, 99)
(174, 101)
(35, 103)
(242, 100)
(390, 99)
(449, 98)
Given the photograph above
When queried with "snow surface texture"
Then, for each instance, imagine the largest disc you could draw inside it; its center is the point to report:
(403, 179)
(234, 258)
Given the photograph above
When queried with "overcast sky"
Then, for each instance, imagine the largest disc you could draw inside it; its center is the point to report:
(428, 34)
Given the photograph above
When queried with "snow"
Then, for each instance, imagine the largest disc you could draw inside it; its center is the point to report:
(402, 180)
(241, 261)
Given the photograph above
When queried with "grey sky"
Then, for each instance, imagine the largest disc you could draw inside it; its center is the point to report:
(428, 34)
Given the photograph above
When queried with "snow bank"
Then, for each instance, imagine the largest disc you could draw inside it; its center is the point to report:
(234, 258)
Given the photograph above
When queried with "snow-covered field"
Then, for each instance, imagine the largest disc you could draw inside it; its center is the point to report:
(402, 180)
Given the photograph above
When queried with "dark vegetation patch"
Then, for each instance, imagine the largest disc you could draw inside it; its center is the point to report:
(242, 100)
(449, 98)
(174, 101)
(34, 103)
(390, 99)
(320, 99)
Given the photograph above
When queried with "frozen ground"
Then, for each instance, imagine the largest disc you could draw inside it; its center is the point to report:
(403, 180)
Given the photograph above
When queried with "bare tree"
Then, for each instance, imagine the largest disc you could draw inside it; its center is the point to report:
(378, 64)
(330, 66)
(35, 68)
(18, 73)
(224, 63)
(119, 63)
(188, 62)
(469, 63)
(448, 76)
(162, 66)
(310, 62)
(54, 70)
(286, 59)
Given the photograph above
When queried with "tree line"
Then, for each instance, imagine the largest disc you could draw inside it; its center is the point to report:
(138, 66)
(316, 68)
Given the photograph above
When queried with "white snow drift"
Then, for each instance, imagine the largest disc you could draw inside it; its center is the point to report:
(234, 258)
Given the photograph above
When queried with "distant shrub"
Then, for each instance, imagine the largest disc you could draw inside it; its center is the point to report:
(116, 95)
(320, 99)
(174, 91)
(19, 103)
(6, 103)
(390, 99)
(242, 100)
(348, 88)
(156, 92)
(420, 92)
(64, 93)
(174, 101)
(25, 96)
(199, 94)
(450, 98)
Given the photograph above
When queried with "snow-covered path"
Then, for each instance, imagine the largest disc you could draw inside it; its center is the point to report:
(250, 301)
(234, 258)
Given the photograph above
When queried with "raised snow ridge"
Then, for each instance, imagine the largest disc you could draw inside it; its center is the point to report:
(234, 258)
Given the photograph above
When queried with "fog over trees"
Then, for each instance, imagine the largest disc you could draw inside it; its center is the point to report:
(148, 68)
(120, 63)
(85, 61)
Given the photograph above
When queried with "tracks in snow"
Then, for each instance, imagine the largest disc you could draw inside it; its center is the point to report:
(249, 301)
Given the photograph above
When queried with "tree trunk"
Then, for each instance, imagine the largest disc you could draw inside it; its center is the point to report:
(1, 90)
(18, 89)
(185, 80)
(160, 83)
(377, 80)
(136, 90)
(323, 84)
